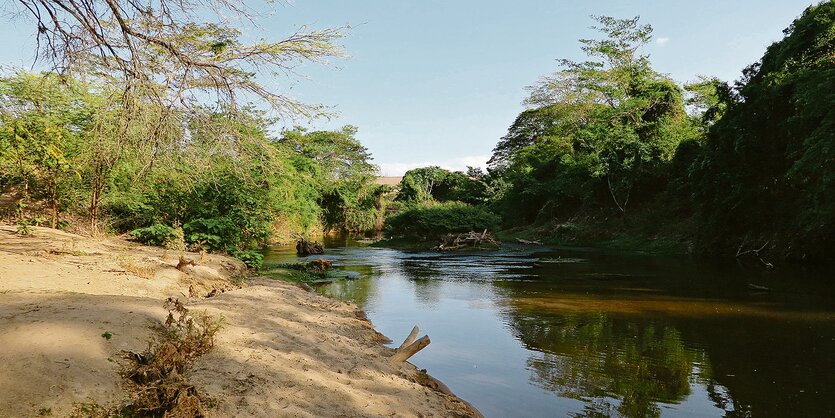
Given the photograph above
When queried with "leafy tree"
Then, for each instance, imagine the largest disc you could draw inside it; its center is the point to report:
(437, 184)
(338, 153)
(344, 174)
(708, 99)
(41, 121)
(767, 170)
(626, 116)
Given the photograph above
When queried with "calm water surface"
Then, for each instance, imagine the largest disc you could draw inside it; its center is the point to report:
(537, 332)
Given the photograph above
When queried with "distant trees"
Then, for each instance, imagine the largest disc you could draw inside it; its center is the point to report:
(343, 174)
(437, 184)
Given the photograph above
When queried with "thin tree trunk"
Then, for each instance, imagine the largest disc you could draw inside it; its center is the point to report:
(95, 198)
(612, 192)
(53, 192)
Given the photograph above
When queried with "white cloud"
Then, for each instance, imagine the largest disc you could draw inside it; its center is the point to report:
(454, 164)
(662, 41)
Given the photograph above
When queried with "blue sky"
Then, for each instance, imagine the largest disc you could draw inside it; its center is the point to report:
(439, 82)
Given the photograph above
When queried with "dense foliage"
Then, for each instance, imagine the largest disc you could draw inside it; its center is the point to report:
(340, 167)
(437, 184)
(750, 166)
(767, 172)
(611, 151)
(70, 150)
(606, 144)
(428, 221)
(599, 133)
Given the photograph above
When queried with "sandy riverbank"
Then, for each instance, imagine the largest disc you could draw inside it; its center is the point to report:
(282, 351)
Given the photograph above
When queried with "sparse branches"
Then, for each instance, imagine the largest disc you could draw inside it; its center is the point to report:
(168, 46)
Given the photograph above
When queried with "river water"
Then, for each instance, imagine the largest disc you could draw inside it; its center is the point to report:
(539, 332)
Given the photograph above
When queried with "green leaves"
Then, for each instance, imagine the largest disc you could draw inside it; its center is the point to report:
(607, 123)
(156, 234)
(429, 221)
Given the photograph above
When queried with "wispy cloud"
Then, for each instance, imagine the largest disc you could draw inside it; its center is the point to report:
(662, 41)
(454, 164)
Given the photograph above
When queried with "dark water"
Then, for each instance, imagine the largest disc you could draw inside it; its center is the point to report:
(550, 333)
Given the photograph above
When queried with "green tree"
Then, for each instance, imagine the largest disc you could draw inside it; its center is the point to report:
(42, 118)
(766, 175)
(630, 117)
(434, 183)
(344, 174)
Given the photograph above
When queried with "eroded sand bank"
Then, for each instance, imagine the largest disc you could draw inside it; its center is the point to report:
(282, 351)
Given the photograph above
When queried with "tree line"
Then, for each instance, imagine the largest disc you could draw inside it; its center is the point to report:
(609, 149)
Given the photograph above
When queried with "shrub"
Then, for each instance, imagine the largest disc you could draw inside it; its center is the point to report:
(157, 234)
(212, 234)
(252, 259)
(431, 220)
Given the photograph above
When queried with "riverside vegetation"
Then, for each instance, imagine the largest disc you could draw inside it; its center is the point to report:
(610, 152)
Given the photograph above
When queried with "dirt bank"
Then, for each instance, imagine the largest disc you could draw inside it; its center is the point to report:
(70, 306)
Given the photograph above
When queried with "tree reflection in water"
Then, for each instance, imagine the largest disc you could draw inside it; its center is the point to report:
(617, 367)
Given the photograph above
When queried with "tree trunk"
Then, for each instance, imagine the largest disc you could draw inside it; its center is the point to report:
(95, 199)
(53, 194)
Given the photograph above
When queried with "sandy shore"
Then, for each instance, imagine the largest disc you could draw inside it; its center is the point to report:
(282, 351)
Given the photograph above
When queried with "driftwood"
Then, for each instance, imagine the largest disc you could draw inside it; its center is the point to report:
(526, 242)
(410, 346)
(305, 248)
(411, 338)
(453, 242)
(181, 265)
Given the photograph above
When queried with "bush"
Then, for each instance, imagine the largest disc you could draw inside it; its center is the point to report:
(252, 259)
(431, 220)
(157, 234)
(212, 234)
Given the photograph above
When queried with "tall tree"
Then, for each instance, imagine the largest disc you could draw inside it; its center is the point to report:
(626, 112)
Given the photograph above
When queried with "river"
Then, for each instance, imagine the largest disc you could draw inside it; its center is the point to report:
(548, 332)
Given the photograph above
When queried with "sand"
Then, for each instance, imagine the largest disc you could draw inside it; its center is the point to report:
(283, 351)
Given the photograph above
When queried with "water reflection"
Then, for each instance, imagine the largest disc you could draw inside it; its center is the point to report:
(587, 334)
(598, 359)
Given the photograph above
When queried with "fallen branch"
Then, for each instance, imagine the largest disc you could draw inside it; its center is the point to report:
(181, 265)
(410, 339)
(410, 350)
